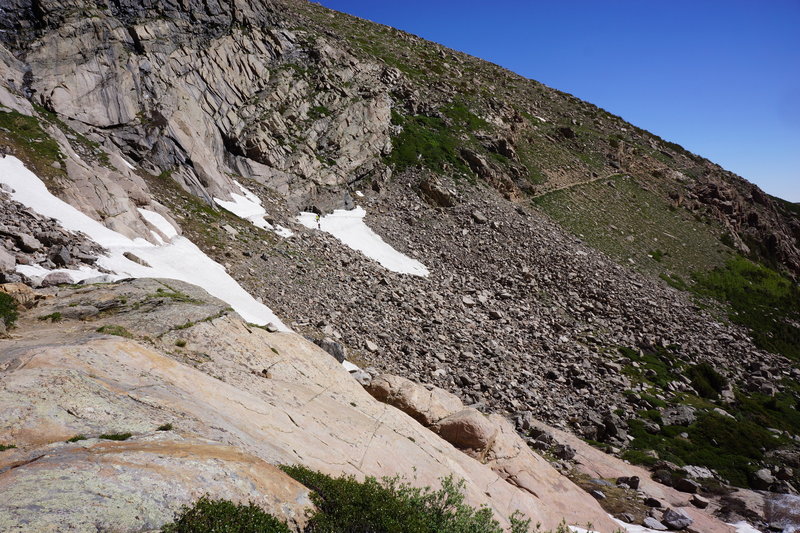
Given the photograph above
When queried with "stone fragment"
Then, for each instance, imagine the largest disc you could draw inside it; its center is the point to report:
(479, 217)
(371, 346)
(59, 255)
(27, 243)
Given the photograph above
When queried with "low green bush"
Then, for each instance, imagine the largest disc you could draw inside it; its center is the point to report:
(8, 310)
(223, 516)
(706, 381)
(115, 436)
(344, 505)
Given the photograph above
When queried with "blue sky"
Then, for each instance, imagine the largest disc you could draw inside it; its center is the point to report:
(721, 77)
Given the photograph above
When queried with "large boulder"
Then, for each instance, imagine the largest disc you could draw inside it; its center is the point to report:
(426, 406)
(676, 519)
(468, 428)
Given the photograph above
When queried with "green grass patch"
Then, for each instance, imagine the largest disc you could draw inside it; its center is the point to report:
(164, 427)
(77, 438)
(8, 310)
(26, 132)
(223, 516)
(52, 317)
(172, 294)
(759, 298)
(4, 447)
(425, 141)
(112, 329)
(116, 436)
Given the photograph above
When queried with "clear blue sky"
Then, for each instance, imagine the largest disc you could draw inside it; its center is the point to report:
(719, 77)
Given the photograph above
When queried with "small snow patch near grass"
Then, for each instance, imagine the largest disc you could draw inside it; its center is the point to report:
(348, 226)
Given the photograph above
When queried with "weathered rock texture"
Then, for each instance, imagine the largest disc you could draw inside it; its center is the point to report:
(237, 398)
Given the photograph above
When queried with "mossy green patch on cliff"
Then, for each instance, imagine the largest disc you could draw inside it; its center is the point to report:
(425, 141)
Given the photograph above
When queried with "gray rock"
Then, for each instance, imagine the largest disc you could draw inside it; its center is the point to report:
(27, 243)
(653, 524)
(56, 278)
(686, 485)
(371, 346)
(7, 261)
(679, 415)
(762, 479)
(597, 494)
(676, 519)
(60, 255)
(479, 217)
(332, 347)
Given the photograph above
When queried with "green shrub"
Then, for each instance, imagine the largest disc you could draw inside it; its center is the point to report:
(346, 505)
(76, 438)
(52, 317)
(706, 381)
(115, 436)
(165, 427)
(223, 516)
(8, 310)
(4, 447)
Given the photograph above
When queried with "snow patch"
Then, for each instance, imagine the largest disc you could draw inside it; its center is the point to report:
(248, 207)
(179, 259)
(744, 527)
(349, 227)
(38, 272)
(159, 222)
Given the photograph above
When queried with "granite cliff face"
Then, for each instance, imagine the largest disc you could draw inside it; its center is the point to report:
(545, 223)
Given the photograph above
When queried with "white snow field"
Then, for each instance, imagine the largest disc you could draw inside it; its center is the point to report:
(177, 259)
(248, 207)
(348, 226)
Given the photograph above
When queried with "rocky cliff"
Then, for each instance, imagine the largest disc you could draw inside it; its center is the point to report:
(544, 224)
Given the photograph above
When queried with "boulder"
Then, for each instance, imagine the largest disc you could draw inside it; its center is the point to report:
(679, 415)
(651, 523)
(762, 479)
(334, 348)
(427, 406)
(698, 501)
(27, 242)
(676, 519)
(468, 428)
(56, 278)
(686, 485)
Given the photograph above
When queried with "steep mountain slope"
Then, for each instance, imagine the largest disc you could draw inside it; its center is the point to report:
(544, 222)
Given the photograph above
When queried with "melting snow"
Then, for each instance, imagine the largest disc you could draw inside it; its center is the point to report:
(179, 259)
(349, 227)
(248, 206)
(159, 222)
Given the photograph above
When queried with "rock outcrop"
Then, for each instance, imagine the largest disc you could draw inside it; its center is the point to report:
(236, 398)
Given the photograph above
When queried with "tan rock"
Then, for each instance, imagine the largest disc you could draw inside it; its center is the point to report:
(63, 379)
(468, 428)
(423, 405)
